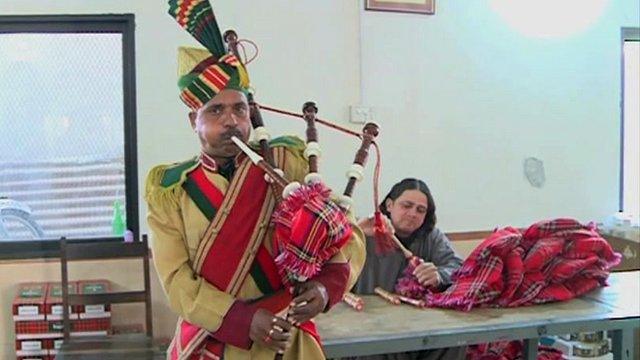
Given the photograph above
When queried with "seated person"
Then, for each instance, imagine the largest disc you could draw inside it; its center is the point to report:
(412, 213)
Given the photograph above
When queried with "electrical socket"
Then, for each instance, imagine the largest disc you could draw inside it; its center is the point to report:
(361, 114)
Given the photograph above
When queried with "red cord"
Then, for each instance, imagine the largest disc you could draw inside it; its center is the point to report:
(255, 55)
(323, 122)
(378, 167)
(376, 176)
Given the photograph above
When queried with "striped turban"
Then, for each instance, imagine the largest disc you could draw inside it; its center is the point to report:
(203, 73)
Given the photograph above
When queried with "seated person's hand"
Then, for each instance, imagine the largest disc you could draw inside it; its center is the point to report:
(427, 274)
(270, 331)
(312, 300)
(368, 225)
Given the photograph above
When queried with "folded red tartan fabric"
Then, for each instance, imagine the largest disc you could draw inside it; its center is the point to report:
(552, 260)
(310, 229)
(508, 350)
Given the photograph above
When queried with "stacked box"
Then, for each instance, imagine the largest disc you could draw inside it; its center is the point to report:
(29, 330)
(37, 314)
(53, 307)
(29, 316)
(29, 303)
(100, 286)
(31, 348)
(53, 350)
(83, 327)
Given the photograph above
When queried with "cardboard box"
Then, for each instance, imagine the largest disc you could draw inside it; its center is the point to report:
(32, 347)
(91, 327)
(53, 301)
(29, 330)
(41, 329)
(83, 327)
(42, 357)
(627, 243)
(99, 286)
(36, 344)
(29, 303)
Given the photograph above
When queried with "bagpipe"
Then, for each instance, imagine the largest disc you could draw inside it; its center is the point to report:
(310, 225)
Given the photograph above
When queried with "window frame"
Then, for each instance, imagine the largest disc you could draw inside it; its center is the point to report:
(99, 23)
(626, 34)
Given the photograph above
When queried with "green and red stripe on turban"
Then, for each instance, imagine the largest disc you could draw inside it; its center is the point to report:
(203, 73)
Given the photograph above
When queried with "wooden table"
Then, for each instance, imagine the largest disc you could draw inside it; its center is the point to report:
(131, 347)
(384, 328)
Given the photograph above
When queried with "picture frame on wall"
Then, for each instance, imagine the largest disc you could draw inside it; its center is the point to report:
(427, 7)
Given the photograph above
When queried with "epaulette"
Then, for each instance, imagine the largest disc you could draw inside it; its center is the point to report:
(289, 141)
(164, 182)
(177, 173)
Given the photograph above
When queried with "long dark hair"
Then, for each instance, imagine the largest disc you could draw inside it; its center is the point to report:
(413, 184)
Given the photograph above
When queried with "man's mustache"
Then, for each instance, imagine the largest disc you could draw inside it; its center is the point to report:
(227, 135)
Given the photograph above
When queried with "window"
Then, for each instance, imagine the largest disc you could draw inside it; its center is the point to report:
(630, 133)
(68, 134)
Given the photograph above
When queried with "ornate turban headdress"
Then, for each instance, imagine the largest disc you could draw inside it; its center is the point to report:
(203, 73)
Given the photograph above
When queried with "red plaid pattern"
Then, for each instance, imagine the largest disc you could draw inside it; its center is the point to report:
(310, 229)
(89, 325)
(49, 328)
(31, 327)
(551, 261)
(408, 285)
(508, 350)
(48, 343)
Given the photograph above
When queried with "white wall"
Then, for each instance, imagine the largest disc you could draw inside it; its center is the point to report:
(308, 51)
(463, 99)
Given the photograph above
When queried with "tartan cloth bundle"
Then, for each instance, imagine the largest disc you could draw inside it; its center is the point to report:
(552, 260)
(408, 284)
(507, 350)
(310, 229)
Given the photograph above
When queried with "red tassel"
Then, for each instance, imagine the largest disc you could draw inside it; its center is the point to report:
(384, 243)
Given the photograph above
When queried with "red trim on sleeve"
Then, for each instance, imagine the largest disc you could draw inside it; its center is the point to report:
(235, 325)
(334, 277)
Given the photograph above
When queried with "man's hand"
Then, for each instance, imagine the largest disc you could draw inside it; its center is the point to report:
(427, 274)
(368, 226)
(312, 300)
(270, 331)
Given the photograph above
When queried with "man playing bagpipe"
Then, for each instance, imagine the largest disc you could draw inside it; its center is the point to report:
(210, 218)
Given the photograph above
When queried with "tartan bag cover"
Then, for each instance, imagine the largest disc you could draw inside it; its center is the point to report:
(552, 260)
(310, 229)
(218, 263)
